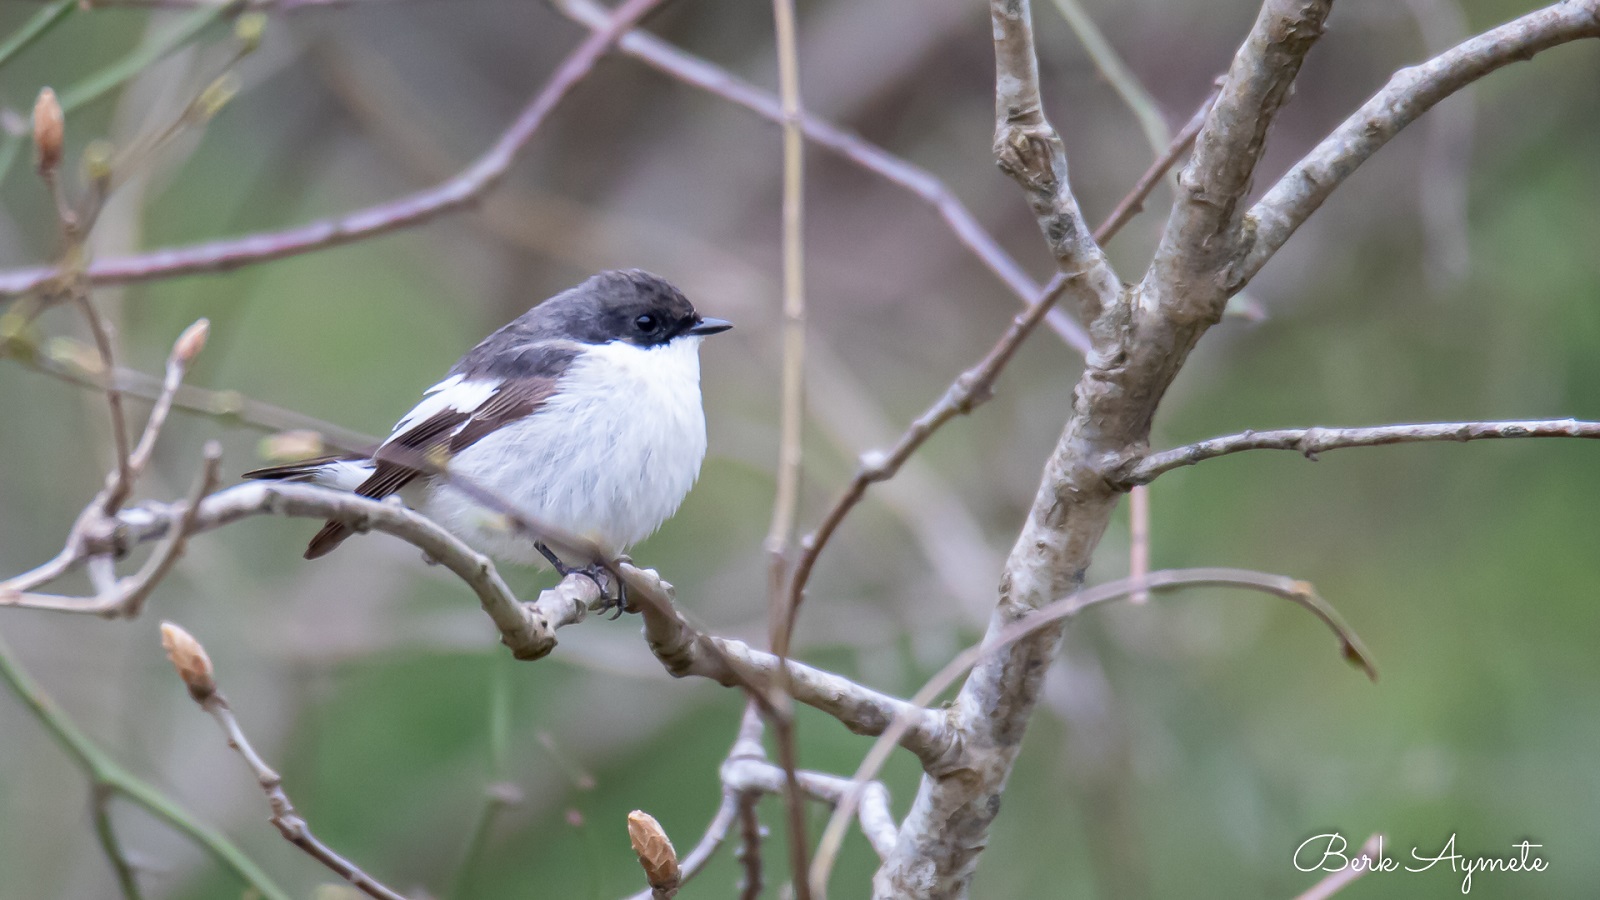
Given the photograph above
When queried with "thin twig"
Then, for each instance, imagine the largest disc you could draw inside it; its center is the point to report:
(1131, 204)
(100, 797)
(195, 668)
(974, 386)
(125, 597)
(698, 72)
(104, 773)
(1312, 441)
(229, 407)
(1139, 539)
(1410, 93)
(1298, 592)
(746, 745)
(122, 482)
(786, 504)
(750, 836)
(401, 212)
(1115, 71)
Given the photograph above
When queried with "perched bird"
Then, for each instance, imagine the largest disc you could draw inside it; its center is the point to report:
(583, 413)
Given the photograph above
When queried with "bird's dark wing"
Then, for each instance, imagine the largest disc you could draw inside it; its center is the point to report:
(458, 414)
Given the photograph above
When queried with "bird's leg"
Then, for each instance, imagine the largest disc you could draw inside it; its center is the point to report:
(593, 572)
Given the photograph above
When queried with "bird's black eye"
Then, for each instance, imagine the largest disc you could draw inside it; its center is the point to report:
(647, 322)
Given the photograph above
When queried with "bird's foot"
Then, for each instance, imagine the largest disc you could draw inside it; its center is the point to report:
(596, 573)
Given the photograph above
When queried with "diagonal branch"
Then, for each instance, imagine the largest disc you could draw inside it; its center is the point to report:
(1409, 93)
(1027, 148)
(713, 79)
(401, 212)
(1312, 441)
(998, 640)
(1202, 227)
(194, 667)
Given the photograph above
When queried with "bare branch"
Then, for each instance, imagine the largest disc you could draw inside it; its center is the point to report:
(1409, 93)
(1298, 592)
(528, 629)
(685, 650)
(781, 608)
(746, 744)
(288, 821)
(751, 835)
(971, 389)
(1028, 149)
(975, 386)
(456, 193)
(760, 776)
(1200, 233)
(1312, 441)
(230, 407)
(713, 79)
(1131, 204)
(105, 774)
(122, 597)
(122, 478)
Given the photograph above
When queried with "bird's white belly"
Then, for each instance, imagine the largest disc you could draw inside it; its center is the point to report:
(608, 458)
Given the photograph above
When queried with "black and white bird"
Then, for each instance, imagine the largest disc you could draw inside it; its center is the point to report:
(583, 413)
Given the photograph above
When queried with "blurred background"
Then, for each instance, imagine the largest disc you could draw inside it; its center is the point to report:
(1186, 747)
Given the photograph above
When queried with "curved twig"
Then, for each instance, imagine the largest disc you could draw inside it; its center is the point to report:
(1298, 592)
(1312, 441)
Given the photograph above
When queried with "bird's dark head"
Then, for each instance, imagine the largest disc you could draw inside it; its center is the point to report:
(628, 305)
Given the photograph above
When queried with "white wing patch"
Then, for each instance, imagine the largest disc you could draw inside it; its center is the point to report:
(454, 393)
(343, 474)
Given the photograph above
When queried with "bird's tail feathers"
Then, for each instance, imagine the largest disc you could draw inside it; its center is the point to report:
(345, 473)
(341, 472)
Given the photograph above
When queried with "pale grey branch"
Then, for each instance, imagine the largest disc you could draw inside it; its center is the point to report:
(1409, 93)
(685, 650)
(1312, 441)
(1028, 148)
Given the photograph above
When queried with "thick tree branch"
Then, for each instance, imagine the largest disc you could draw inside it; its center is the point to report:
(1200, 233)
(1312, 441)
(412, 209)
(528, 629)
(995, 645)
(1409, 93)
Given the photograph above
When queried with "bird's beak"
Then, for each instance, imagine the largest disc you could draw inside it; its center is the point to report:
(710, 326)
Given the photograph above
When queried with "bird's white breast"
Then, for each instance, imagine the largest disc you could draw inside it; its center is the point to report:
(608, 457)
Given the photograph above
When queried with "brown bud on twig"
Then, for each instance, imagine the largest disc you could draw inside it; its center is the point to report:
(190, 659)
(655, 852)
(49, 131)
(248, 29)
(191, 342)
